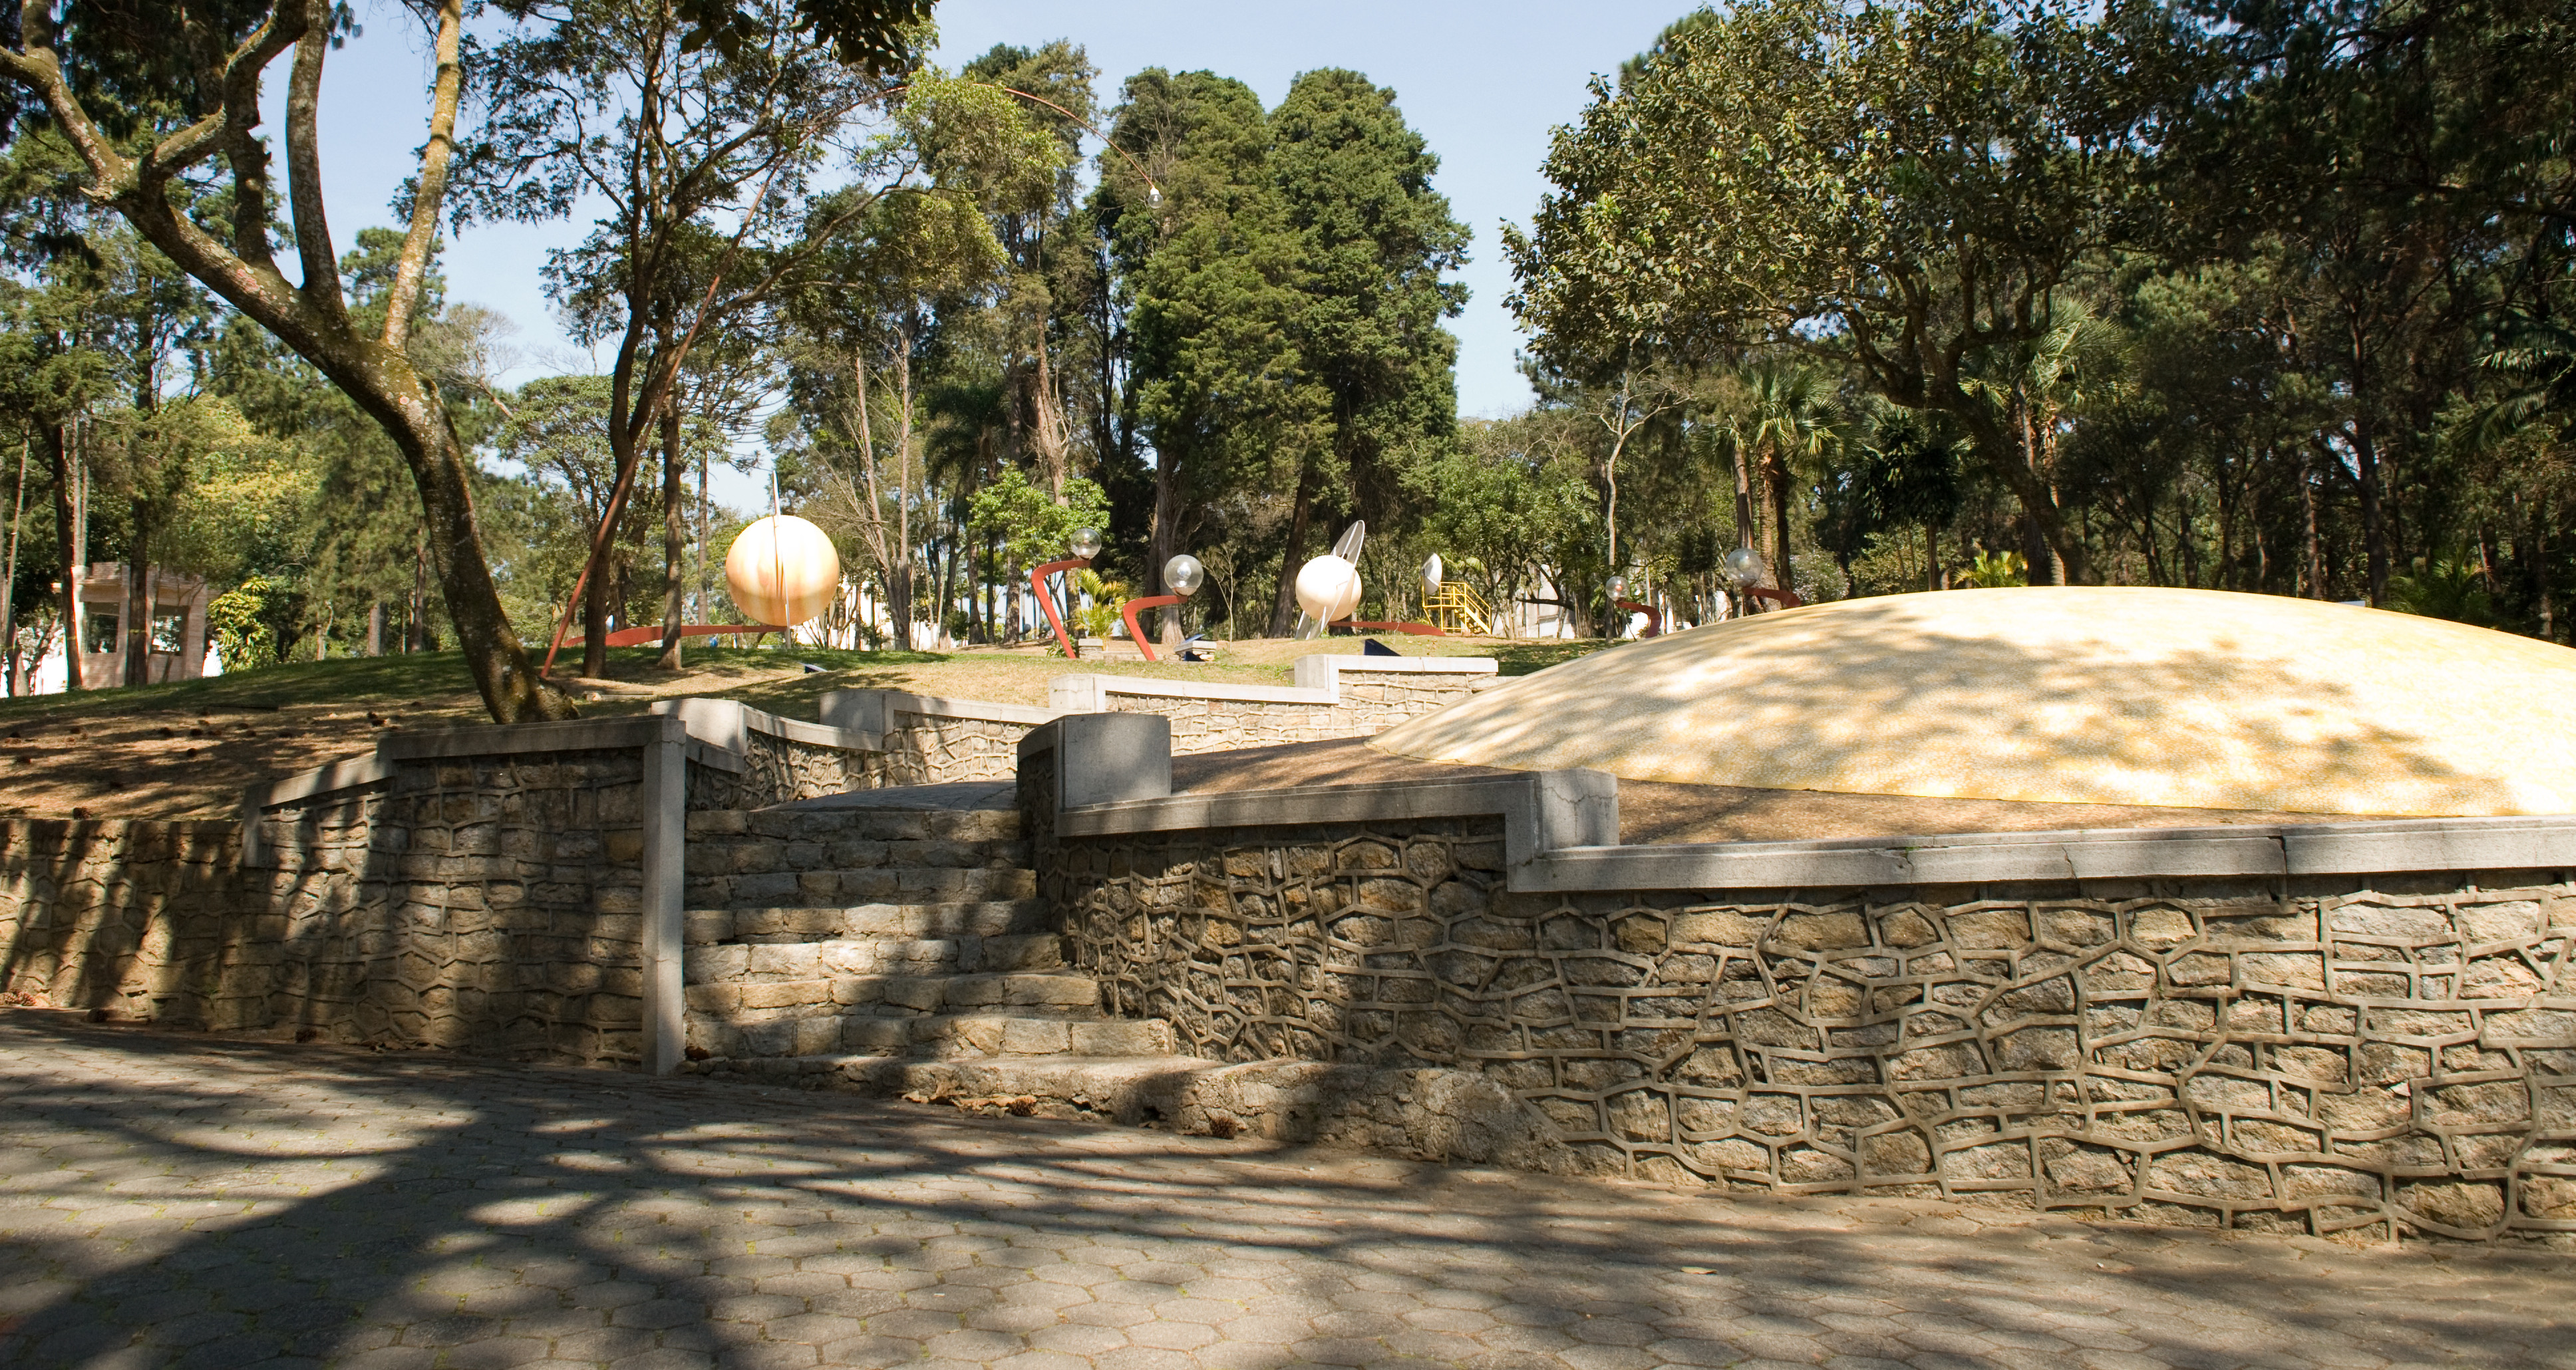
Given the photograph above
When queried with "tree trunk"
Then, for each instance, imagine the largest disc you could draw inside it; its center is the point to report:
(1779, 477)
(375, 627)
(1165, 542)
(9, 577)
(68, 539)
(138, 600)
(1283, 610)
(2374, 518)
(2042, 564)
(441, 469)
(2006, 455)
(675, 533)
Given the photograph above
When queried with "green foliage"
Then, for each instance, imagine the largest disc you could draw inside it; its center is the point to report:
(1031, 527)
(2444, 589)
(1098, 617)
(1994, 570)
(238, 620)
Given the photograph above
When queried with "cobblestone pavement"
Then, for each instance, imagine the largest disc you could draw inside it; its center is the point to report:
(177, 1200)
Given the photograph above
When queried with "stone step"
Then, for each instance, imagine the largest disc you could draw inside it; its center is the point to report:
(843, 957)
(715, 1042)
(839, 887)
(739, 1001)
(1456, 1116)
(989, 918)
(755, 855)
(868, 824)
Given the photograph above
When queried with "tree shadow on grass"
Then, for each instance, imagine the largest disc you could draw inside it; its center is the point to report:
(234, 1202)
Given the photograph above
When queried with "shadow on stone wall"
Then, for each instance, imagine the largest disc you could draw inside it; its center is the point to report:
(2352, 1056)
(484, 904)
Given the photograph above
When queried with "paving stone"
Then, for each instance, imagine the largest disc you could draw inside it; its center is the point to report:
(198, 1200)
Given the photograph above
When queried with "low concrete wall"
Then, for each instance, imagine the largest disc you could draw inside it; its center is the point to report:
(2353, 1029)
(928, 740)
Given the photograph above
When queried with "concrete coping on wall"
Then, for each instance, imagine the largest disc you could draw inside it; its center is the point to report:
(716, 731)
(1319, 679)
(1560, 831)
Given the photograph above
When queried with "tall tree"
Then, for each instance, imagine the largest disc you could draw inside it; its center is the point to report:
(94, 68)
(1210, 267)
(1892, 188)
(1373, 242)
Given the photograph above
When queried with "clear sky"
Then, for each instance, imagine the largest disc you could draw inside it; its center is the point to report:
(1483, 82)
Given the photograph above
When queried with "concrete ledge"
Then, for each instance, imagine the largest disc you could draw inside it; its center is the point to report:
(1561, 836)
(873, 711)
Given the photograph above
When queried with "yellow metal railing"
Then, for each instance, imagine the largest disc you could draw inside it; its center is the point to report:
(1454, 608)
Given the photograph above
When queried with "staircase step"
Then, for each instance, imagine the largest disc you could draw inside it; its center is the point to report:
(836, 887)
(825, 959)
(1026, 1032)
(988, 918)
(741, 1001)
(758, 855)
(1429, 1114)
(868, 824)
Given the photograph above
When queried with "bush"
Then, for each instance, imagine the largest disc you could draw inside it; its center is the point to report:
(241, 631)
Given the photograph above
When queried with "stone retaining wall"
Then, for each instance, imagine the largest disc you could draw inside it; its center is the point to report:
(2347, 1054)
(485, 903)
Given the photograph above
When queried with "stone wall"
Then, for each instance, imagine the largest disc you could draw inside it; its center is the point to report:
(2342, 1055)
(483, 903)
(935, 749)
(778, 770)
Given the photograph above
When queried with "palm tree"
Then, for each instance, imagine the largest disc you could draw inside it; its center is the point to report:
(1787, 408)
(2082, 359)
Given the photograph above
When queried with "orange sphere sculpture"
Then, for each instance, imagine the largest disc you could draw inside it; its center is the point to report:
(783, 570)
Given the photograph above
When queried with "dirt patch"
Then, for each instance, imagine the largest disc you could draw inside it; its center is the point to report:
(1659, 812)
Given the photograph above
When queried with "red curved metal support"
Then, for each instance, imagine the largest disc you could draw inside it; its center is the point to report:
(652, 632)
(1037, 585)
(1135, 634)
(1417, 629)
(1654, 620)
(1786, 599)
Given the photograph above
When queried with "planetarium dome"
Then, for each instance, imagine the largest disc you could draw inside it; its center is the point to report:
(2185, 698)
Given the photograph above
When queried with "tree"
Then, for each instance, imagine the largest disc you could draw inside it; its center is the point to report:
(1892, 188)
(1373, 240)
(97, 70)
(1784, 410)
(1209, 268)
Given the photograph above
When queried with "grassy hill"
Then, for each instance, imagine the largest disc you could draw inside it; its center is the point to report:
(189, 749)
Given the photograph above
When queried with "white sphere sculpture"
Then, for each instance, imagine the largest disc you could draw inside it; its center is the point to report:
(1328, 588)
(1431, 574)
(783, 570)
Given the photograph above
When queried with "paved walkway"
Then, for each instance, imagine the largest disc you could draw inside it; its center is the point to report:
(175, 1200)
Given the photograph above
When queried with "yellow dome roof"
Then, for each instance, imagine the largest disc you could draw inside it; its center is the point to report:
(2189, 698)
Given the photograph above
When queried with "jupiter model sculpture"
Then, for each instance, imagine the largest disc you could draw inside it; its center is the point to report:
(783, 570)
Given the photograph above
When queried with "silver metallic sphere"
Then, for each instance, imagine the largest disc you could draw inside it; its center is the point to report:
(1086, 543)
(1744, 566)
(1183, 575)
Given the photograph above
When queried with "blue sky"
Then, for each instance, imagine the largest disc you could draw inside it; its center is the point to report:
(1483, 82)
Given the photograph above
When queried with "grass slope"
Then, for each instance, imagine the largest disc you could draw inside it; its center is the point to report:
(189, 749)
